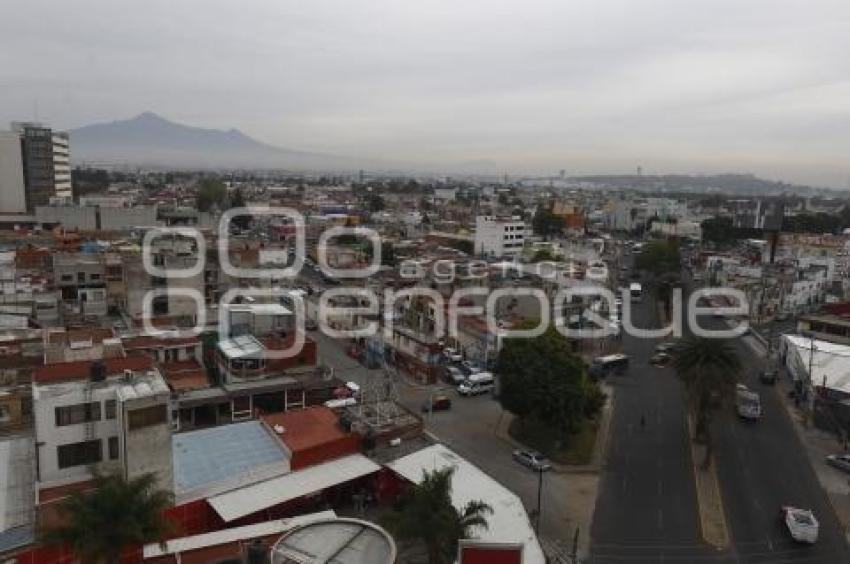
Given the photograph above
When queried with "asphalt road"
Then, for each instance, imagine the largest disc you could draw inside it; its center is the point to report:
(646, 510)
(762, 465)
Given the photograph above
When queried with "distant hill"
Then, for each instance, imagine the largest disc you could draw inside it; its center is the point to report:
(151, 140)
(688, 184)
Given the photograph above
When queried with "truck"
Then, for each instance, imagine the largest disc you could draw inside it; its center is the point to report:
(747, 403)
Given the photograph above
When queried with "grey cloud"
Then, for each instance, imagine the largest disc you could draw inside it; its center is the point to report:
(534, 85)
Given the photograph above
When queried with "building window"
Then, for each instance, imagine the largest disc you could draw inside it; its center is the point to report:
(78, 413)
(78, 454)
(110, 409)
(147, 416)
(67, 278)
(113, 448)
(81, 277)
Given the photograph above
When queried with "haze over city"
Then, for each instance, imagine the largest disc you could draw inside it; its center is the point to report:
(532, 87)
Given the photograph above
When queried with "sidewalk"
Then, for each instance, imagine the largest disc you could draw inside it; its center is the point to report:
(818, 444)
(581, 483)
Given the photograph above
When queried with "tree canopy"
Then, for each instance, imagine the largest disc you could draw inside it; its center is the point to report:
(545, 223)
(99, 524)
(425, 513)
(709, 370)
(375, 202)
(544, 382)
(211, 191)
(660, 257)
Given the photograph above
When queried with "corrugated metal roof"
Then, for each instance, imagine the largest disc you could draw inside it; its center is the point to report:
(196, 542)
(17, 498)
(508, 522)
(241, 347)
(210, 461)
(250, 499)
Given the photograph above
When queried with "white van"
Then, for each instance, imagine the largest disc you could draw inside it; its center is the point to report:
(475, 384)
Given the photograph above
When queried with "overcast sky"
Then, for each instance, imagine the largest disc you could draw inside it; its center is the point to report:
(595, 86)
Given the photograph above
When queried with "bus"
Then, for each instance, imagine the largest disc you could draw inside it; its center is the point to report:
(635, 291)
(604, 365)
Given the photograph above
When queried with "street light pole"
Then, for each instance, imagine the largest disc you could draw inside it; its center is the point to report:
(539, 498)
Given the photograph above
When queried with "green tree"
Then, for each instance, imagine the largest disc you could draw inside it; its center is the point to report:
(546, 224)
(504, 199)
(426, 514)
(543, 255)
(238, 201)
(211, 191)
(709, 370)
(376, 203)
(545, 385)
(660, 257)
(99, 523)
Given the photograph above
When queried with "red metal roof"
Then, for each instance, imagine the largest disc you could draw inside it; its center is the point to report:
(148, 342)
(307, 428)
(78, 370)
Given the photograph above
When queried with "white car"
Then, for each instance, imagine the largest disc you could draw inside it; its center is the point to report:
(470, 367)
(801, 523)
(452, 354)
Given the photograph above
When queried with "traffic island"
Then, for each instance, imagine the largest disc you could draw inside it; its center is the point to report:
(709, 498)
(591, 451)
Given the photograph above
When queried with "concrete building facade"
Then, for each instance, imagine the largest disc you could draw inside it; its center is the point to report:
(12, 194)
(499, 236)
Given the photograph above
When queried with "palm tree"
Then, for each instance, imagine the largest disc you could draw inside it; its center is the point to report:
(99, 523)
(426, 513)
(709, 370)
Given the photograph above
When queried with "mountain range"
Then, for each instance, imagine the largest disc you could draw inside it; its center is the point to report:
(151, 140)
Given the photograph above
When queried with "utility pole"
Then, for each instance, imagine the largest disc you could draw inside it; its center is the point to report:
(539, 499)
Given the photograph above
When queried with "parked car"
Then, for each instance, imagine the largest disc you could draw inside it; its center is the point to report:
(767, 377)
(437, 402)
(532, 459)
(840, 461)
(455, 375)
(469, 367)
(452, 354)
(310, 324)
(475, 384)
(801, 523)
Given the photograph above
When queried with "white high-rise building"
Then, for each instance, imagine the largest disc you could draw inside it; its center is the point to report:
(12, 192)
(499, 236)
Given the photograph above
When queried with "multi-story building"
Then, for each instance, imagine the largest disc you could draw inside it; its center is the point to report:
(80, 277)
(12, 194)
(499, 236)
(46, 163)
(107, 414)
(62, 165)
